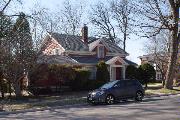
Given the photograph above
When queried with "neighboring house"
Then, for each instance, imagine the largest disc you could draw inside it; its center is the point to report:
(160, 63)
(150, 58)
(85, 51)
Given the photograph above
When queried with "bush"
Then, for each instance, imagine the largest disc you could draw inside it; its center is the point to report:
(81, 79)
(131, 72)
(146, 73)
(94, 84)
(102, 73)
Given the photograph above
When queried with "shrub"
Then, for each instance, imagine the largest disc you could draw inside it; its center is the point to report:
(102, 73)
(61, 74)
(146, 73)
(81, 79)
(94, 84)
(131, 72)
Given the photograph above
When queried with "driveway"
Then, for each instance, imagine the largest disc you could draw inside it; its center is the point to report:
(156, 108)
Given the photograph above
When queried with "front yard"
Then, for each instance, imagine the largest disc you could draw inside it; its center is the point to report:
(157, 88)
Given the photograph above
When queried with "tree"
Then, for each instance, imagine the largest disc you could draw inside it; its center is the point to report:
(147, 73)
(5, 4)
(122, 14)
(102, 18)
(157, 15)
(6, 40)
(23, 50)
(131, 71)
(158, 49)
(71, 18)
(102, 73)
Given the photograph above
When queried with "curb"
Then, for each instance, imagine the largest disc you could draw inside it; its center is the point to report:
(158, 95)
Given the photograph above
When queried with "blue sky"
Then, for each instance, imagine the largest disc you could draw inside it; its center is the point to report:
(134, 44)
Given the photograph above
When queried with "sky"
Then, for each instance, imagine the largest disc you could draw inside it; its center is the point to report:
(135, 44)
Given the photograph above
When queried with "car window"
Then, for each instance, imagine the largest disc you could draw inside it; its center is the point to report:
(130, 83)
(109, 85)
(120, 84)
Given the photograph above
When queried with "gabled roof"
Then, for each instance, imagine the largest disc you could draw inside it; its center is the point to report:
(75, 43)
(115, 59)
(96, 43)
(71, 42)
(112, 47)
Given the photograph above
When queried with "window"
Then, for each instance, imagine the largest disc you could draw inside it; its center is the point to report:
(56, 52)
(158, 76)
(101, 52)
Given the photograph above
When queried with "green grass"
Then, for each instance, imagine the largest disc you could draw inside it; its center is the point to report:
(154, 84)
(162, 91)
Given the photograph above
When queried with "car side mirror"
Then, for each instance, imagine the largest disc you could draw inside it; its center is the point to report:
(115, 86)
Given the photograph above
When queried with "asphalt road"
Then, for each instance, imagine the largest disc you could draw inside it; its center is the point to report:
(156, 108)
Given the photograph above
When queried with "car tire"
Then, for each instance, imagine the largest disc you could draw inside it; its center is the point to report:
(139, 96)
(110, 99)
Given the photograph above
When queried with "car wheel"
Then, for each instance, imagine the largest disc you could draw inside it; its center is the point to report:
(139, 96)
(110, 99)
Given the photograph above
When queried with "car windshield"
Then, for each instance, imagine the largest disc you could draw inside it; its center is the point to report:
(108, 85)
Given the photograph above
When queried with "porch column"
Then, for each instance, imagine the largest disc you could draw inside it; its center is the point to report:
(124, 72)
(110, 72)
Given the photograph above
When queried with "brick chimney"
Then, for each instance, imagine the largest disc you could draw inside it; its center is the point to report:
(84, 32)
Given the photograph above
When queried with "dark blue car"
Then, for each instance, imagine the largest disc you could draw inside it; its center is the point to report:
(117, 90)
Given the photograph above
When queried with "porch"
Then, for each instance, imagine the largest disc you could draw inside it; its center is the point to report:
(117, 68)
(117, 72)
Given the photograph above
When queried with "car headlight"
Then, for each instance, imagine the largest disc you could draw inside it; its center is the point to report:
(93, 93)
(100, 93)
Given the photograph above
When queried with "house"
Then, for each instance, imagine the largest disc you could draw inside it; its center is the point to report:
(85, 51)
(151, 59)
(160, 62)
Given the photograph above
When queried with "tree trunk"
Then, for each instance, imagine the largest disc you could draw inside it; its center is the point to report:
(172, 60)
(170, 74)
(1, 86)
(124, 41)
(9, 84)
(17, 89)
(163, 82)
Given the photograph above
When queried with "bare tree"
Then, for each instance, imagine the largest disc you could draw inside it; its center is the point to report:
(122, 14)
(71, 17)
(157, 15)
(158, 49)
(5, 4)
(101, 17)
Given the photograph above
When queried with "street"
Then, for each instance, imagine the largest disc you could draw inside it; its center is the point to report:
(155, 108)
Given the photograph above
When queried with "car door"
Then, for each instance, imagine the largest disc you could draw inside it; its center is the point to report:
(130, 88)
(118, 90)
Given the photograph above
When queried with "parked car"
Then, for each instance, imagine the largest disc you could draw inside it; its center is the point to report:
(117, 90)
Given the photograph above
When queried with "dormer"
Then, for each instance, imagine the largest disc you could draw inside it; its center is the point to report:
(100, 51)
(100, 47)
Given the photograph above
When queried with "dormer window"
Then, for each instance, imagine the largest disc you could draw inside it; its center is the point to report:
(57, 52)
(100, 51)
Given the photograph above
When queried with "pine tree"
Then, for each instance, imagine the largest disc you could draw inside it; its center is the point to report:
(23, 49)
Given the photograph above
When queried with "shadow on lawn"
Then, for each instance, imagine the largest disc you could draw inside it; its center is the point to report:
(154, 87)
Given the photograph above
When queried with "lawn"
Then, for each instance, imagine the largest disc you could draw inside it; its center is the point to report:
(43, 101)
(157, 88)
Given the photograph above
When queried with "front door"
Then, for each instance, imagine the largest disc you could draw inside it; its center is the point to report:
(118, 73)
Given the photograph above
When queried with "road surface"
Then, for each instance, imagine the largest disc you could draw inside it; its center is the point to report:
(155, 108)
